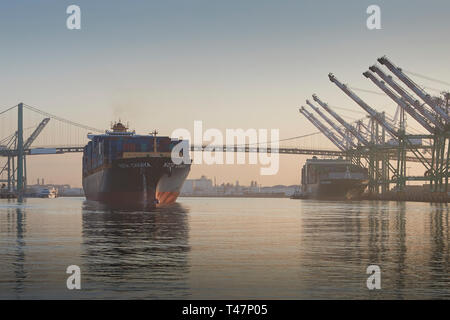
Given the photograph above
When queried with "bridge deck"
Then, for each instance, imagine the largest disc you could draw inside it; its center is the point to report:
(280, 150)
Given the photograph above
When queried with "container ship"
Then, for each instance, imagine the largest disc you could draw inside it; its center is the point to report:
(334, 179)
(126, 170)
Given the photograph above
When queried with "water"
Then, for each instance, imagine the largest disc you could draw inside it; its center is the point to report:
(212, 248)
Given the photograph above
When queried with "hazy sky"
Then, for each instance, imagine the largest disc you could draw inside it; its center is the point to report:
(232, 64)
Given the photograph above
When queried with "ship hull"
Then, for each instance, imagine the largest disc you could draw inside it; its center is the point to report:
(136, 182)
(338, 189)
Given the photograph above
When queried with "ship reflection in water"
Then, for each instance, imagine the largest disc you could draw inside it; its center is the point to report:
(144, 251)
(225, 248)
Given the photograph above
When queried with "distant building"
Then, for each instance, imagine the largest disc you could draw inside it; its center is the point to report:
(198, 186)
(203, 184)
(287, 190)
(188, 187)
(205, 187)
(59, 190)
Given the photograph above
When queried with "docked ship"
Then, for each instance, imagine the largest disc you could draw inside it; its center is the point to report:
(332, 179)
(127, 170)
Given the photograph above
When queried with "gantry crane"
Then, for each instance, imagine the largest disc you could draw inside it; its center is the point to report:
(400, 101)
(432, 114)
(401, 163)
(379, 117)
(35, 133)
(329, 134)
(424, 112)
(332, 124)
(347, 126)
(438, 169)
(354, 154)
(376, 173)
(379, 155)
(12, 152)
(414, 87)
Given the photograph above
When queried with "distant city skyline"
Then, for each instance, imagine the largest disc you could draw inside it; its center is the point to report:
(44, 181)
(232, 64)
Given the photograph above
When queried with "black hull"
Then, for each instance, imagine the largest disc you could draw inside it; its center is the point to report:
(339, 189)
(136, 182)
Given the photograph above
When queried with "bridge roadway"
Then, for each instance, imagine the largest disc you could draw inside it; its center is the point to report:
(280, 150)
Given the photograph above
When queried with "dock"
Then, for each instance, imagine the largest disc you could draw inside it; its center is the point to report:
(7, 195)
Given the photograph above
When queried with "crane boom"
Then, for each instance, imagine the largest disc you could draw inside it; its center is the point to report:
(415, 103)
(414, 87)
(400, 101)
(330, 135)
(331, 123)
(35, 133)
(348, 126)
(377, 116)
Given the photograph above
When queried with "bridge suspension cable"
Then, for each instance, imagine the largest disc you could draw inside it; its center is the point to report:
(4, 111)
(281, 140)
(79, 125)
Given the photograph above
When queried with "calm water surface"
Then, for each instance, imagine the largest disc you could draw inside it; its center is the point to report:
(212, 248)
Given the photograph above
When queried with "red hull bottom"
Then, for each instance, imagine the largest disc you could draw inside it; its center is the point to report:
(166, 198)
(136, 199)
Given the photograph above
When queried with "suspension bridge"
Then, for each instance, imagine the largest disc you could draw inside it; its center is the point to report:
(378, 141)
(27, 130)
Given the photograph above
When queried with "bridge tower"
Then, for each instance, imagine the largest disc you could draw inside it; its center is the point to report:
(20, 153)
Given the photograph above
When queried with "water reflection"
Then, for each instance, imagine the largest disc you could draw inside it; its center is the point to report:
(12, 271)
(409, 243)
(20, 274)
(223, 248)
(19, 270)
(439, 261)
(136, 250)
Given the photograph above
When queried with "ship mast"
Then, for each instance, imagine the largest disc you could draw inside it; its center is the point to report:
(154, 133)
